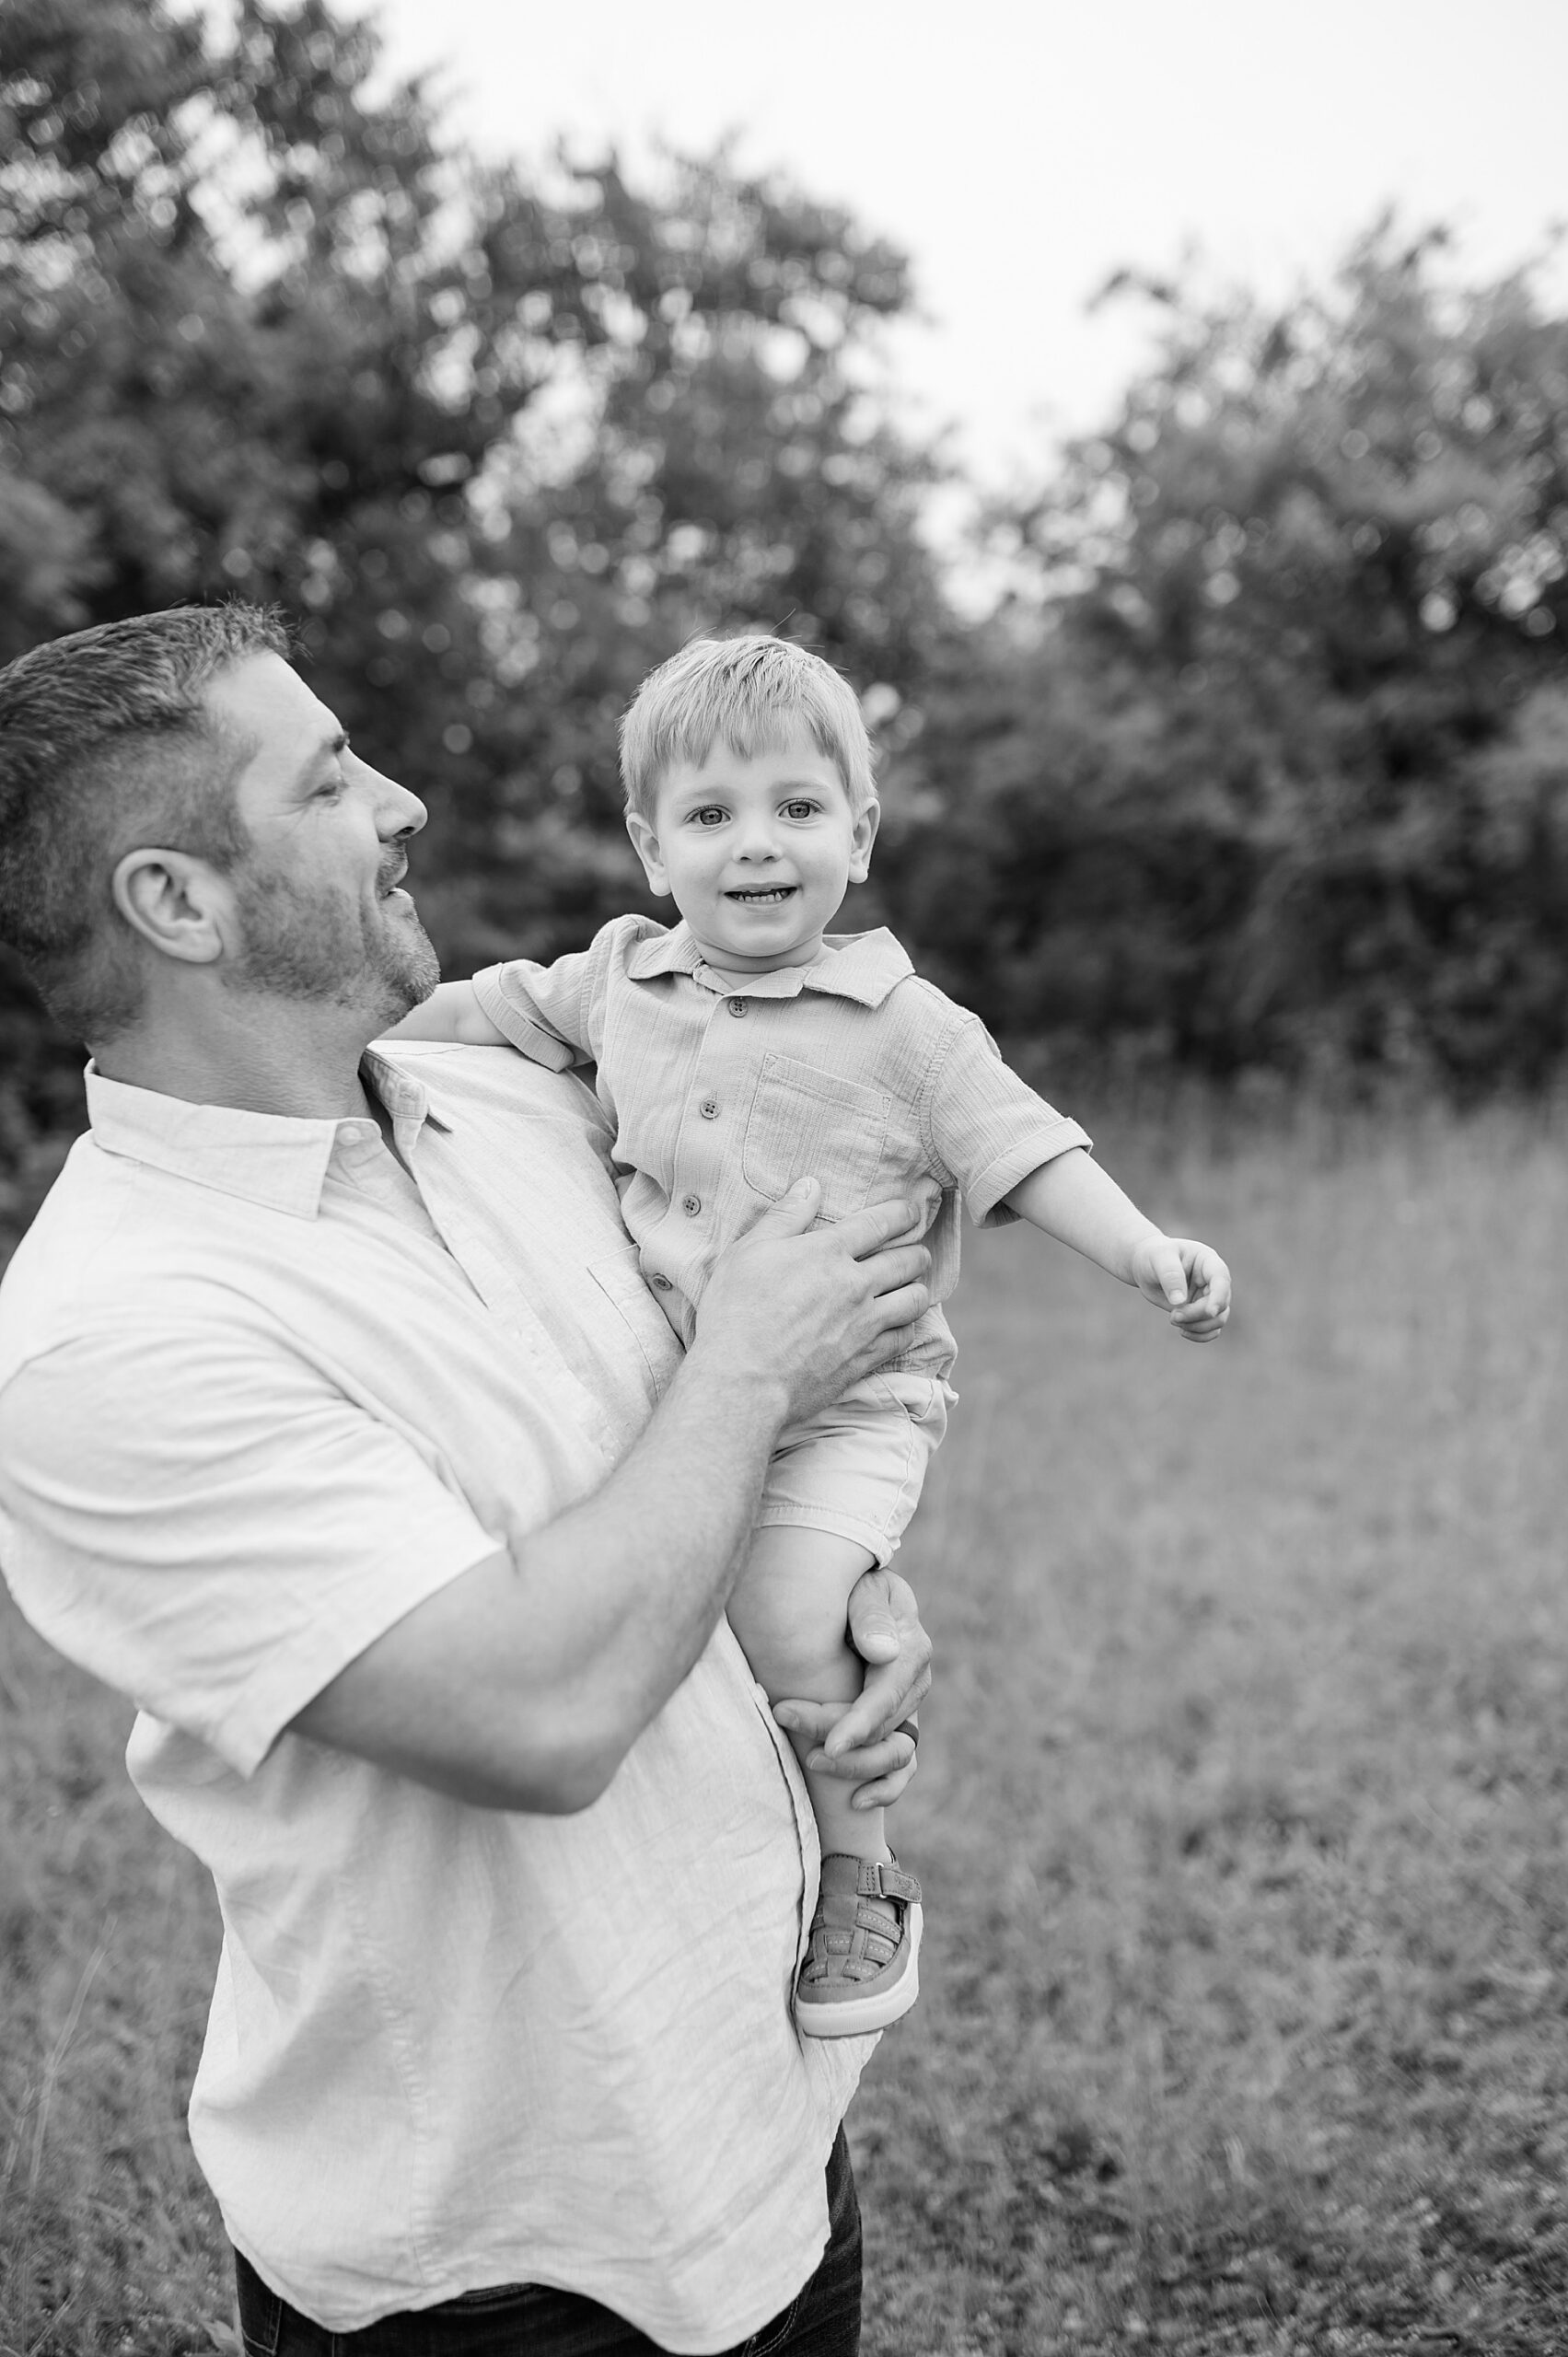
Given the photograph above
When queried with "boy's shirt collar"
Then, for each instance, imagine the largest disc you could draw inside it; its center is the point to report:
(863, 965)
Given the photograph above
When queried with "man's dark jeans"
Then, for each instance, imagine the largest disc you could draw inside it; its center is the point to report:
(528, 2320)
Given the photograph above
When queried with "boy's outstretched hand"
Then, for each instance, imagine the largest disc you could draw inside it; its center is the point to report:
(1187, 1280)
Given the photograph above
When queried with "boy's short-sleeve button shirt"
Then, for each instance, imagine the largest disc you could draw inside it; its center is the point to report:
(263, 1390)
(853, 1070)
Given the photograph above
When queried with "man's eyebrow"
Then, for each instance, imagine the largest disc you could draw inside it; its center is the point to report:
(328, 749)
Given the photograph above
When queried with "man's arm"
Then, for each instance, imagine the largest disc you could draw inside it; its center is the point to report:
(524, 1682)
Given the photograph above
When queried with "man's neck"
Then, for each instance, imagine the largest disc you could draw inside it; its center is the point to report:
(263, 1056)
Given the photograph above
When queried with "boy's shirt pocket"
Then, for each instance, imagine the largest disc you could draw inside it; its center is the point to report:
(806, 1123)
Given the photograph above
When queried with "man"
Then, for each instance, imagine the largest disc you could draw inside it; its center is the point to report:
(339, 1432)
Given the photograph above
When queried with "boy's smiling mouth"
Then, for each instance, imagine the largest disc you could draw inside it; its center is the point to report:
(763, 895)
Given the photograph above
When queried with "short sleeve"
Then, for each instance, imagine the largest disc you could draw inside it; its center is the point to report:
(554, 1014)
(987, 1128)
(219, 1541)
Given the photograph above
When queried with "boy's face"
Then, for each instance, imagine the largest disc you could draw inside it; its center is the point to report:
(757, 850)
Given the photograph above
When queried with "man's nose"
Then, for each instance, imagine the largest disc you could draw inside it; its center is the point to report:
(398, 812)
(402, 815)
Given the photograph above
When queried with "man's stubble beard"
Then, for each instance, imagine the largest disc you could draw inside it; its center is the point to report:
(323, 949)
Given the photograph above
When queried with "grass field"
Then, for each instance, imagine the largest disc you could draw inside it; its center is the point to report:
(1240, 1816)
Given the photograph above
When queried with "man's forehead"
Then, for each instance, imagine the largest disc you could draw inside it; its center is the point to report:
(264, 701)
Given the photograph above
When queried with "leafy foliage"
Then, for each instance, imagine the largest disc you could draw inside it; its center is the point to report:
(1261, 764)
(1282, 773)
(264, 331)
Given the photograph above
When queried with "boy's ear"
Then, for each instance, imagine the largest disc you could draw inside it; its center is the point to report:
(644, 842)
(862, 837)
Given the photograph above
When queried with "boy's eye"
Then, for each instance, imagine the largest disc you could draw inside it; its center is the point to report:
(710, 815)
(800, 810)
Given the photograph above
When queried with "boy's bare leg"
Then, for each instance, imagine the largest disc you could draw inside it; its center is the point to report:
(790, 1610)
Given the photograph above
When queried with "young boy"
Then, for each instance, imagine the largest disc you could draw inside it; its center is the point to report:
(745, 1049)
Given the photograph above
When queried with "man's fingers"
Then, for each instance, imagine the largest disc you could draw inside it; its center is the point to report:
(878, 1755)
(873, 1625)
(893, 1692)
(812, 1719)
(893, 1311)
(899, 1265)
(794, 1213)
(867, 1231)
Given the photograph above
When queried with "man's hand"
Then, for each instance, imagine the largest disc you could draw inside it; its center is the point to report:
(1187, 1280)
(866, 1744)
(813, 1313)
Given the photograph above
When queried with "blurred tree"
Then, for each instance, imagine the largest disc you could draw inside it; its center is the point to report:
(1263, 762)
(1277, 772)
(264, 331)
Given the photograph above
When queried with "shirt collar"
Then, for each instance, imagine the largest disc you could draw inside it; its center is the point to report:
(864, 966)
(275, 1159)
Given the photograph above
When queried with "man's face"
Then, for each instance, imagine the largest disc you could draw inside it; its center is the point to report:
(321, 914)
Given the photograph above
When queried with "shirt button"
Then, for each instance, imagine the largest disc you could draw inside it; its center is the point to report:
(710, 1108)
(737, 1006)
(663, 1284)
(691, 1205)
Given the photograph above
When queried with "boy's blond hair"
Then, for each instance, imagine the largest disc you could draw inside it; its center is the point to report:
(744, 693)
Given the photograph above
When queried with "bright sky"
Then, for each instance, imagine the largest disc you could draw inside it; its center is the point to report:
(1020, 153)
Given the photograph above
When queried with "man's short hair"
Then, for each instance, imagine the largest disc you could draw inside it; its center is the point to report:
(105, 744)
(747, 694)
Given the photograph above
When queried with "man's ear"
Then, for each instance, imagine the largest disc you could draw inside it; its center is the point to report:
(174, 901)
(644, 842)
(862, 837)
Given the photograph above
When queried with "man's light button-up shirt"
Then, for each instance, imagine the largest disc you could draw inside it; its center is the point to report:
(265, 1389)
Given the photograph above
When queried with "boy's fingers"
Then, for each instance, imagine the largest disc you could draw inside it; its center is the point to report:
(1169, 1273)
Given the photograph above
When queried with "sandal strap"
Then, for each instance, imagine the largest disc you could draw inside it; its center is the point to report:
(887, 1879)
(878, 1879)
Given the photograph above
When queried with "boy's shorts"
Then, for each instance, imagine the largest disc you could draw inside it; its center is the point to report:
(856, 1468)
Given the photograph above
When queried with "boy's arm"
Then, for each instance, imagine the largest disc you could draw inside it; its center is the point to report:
(543, 1011)
(1074, 1200)
(451, 1012)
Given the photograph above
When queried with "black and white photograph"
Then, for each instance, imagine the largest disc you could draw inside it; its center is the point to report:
(783, 1166)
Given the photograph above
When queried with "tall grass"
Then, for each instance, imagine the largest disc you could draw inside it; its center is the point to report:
(1241, 1811)
(108, 2240)
(1240, 1814)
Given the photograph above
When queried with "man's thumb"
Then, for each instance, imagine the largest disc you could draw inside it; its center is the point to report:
(794, 1213)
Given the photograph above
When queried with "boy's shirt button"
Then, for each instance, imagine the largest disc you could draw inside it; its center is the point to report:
(663, 1284)
(692, 1207)
(710, 1108)
(737, 1006)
